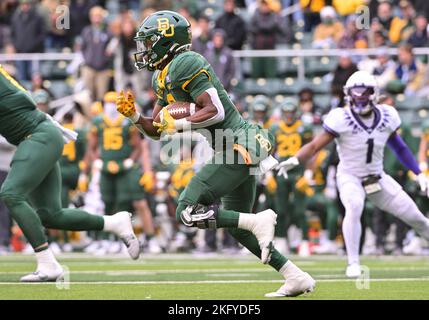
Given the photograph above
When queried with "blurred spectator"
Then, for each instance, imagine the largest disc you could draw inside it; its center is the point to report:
(265, 26)
(382, 67)
(409, 72)
(419, 38)
(4, 37)
(79, 15)
(311, 9)
(344, 70)
(330, 31)
(28, 34)
(402, 27)
(422, 7)
(377, 35)
(7, 8)
(353, 37)
(57, 37)
(6, 154)
(200, 40)
(221, 59)
(384, 15)
(234, 26)
(97, 57)
(311, 113)
(37, 84)
(41, 97)
(124, 46)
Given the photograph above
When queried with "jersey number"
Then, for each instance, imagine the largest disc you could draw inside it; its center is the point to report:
(112, 138)
(370, 150)
(288, 145)
(69, 151)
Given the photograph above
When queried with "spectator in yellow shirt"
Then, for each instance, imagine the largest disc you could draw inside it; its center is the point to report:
(348, 7)
(330, 31)
(402, 27)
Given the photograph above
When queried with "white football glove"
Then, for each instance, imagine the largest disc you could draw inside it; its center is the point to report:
(424, 183)
(287, 165)
(269, 163)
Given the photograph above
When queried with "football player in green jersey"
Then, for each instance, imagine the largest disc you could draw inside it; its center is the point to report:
(291, 134)
(114, 146)
(32, 189)
(71, 160)
(163, 44)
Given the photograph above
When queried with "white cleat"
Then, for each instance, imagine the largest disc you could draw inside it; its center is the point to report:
(45, 275)
(297, 282)
(125, 231)
(264, 233)
(353, 270)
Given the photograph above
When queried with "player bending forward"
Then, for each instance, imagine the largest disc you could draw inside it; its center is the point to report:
(32, 189)
(361, 130)
(164, 41)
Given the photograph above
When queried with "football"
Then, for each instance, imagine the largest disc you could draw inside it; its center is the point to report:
(179, 110)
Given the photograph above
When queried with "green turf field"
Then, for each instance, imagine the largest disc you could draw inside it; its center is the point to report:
(192, 277)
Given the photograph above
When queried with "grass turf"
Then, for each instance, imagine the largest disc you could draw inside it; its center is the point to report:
(188, 277)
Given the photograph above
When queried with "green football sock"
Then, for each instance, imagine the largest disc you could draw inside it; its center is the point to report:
(227, 218)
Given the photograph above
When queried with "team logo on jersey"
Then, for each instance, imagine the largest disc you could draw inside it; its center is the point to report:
(265, 144)
(165, 27)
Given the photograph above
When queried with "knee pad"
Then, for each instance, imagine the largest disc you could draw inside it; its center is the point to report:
(200, 216)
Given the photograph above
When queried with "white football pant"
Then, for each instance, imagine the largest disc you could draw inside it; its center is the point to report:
(392, 199)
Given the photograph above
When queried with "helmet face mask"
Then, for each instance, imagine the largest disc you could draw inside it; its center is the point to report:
(290, 111)
(145, 54)
(361, 99)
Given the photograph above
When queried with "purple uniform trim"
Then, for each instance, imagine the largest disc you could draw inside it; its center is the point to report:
(403, 153)
(331, 131)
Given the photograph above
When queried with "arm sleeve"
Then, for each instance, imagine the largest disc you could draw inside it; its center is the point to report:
(403, 153)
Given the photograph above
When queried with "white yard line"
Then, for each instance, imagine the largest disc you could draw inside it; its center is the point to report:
(208, 282)
(121, 272)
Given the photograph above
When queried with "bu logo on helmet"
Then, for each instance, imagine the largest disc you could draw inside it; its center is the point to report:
(165, 27)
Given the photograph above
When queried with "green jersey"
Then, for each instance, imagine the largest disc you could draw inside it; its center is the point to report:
(113, 141)
(186, 77)
(74, 151)
(290, 138)
(18, 113)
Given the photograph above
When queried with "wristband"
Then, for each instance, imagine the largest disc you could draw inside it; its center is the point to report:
(135, 117)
